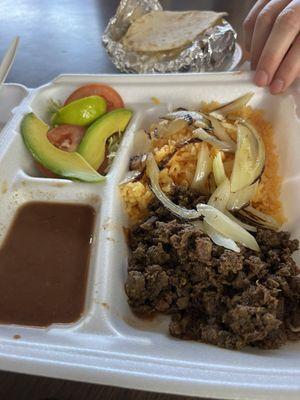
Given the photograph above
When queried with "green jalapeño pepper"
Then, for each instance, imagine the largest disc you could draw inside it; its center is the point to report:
(81, 112)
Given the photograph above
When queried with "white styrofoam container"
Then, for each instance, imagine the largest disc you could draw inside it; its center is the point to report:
(11, 95)
(109, 345)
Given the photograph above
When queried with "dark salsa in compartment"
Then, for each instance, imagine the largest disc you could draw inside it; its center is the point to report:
(44, 263)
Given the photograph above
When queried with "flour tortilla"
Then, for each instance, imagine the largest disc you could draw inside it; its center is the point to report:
(168, 30)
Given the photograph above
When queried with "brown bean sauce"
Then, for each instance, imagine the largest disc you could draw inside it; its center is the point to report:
(44, 264)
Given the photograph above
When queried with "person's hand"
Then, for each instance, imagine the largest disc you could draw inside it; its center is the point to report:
(272, 36)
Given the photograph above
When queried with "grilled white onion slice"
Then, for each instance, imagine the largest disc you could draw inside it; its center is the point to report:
(188, 116)
(218, 169)
(227, 227)
(231, 107)
(220, 196)
(220, 132)
(203, 169)
(219, 239)
(259, 218)
(207, 137)
(249, 158)
(215, 218)
(242, 197)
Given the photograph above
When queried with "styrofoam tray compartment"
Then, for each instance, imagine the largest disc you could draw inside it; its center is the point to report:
(109, 344)
(11, 95)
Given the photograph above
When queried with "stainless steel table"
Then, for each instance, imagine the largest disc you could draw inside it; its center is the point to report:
(65, 37)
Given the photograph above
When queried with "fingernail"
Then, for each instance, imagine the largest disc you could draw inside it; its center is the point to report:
(277, 86)
(261, 78)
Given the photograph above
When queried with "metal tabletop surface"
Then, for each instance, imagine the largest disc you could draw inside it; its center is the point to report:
(65, 37)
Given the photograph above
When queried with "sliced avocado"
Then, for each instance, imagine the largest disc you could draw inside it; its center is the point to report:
(81, 112)
(67, 165)
(92, 146)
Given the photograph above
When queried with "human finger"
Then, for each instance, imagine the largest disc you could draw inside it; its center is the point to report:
(249, 22)
(284, 32)
(263, 27)
(289, 69)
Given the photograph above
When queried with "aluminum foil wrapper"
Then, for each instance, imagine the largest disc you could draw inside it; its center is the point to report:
(211, 51)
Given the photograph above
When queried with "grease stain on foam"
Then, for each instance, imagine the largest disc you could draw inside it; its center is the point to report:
(17, 337)
(152, 322)
(48, 195)
(94, 199)
(3, 229)
(107, 224)
(59, 184)
(4, 187)
(143, 324)
(105, 305)
(155, 100)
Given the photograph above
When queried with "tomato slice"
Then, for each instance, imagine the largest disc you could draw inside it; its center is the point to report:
(66, 137)
(112, 97)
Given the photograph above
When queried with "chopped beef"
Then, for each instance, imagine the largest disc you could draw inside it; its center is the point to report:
(213, 295)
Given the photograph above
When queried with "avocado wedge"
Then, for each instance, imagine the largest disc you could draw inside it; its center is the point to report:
(92, 146)
(62, 163)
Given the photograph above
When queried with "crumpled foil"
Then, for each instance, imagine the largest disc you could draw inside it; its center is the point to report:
(211, 51)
